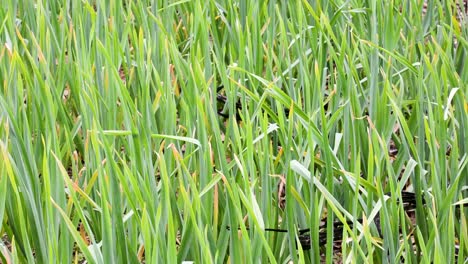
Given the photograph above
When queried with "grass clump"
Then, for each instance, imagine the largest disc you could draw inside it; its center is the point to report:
(137, 131)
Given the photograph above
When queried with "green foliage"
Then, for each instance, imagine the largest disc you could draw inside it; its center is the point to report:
(112, 149)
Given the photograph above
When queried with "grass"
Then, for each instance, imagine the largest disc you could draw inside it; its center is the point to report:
(112, 149)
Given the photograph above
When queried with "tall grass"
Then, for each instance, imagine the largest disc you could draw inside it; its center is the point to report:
(112, 149)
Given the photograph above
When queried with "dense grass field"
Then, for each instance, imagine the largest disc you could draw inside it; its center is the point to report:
(168, 131)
